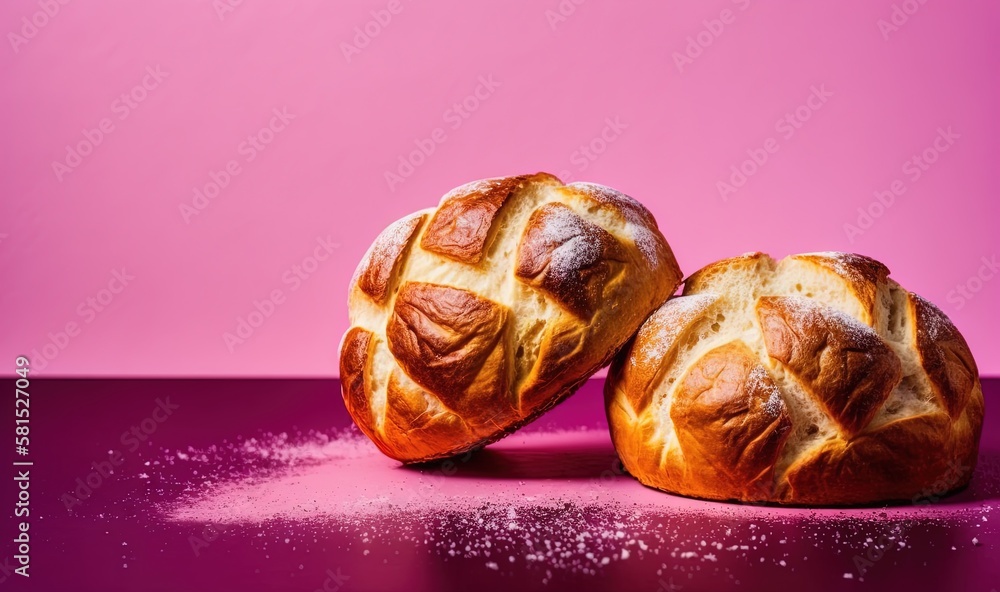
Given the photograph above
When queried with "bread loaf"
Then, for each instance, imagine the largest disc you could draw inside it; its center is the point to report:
(471, 319)
(816, 380)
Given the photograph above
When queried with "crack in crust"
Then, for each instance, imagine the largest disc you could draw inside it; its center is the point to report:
(842, 363)
(462, 223)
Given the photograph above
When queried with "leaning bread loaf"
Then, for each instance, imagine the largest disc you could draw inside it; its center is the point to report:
(471, 319)
(816, 380)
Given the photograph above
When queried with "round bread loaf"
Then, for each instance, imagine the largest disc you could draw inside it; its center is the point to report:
(816, 380)
(471, 319)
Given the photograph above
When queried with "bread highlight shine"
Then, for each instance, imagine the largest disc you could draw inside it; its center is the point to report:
(815, 380)
(471, 319)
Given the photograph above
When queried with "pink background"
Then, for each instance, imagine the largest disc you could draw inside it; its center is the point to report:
(322, 176)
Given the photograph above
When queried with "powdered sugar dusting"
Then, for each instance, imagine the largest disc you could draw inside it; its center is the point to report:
(537, 510)
(319, 446)
(340, 475)
(760, 381)
(579, 241)
(646, 240)
(389, 243)
(481, 186)
(660, 330)
(859, 333)
(638, 221)
(933, 322)
(846, 265)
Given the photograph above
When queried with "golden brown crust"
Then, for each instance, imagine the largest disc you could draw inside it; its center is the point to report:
(659, 340)
(882, 401)
(645, 233)
(413, 426)
(945, 355)
(508, 298)
(842, 363)
(650, 275)
(731, 423)
(464, 219)
(449, 341)
(915, 459)
(354, 353)
(382, 260)
(568, 258)
(862, 274)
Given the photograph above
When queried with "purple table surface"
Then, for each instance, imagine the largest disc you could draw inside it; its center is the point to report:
(129, 531)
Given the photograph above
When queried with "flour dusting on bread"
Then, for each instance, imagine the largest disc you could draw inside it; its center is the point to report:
(880, 388)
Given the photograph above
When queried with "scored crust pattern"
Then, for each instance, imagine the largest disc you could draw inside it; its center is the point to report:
(813, 380)
(471, 319)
